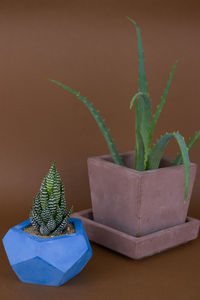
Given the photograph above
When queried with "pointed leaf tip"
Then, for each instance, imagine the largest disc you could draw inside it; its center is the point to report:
(131, 20)
(97, 118)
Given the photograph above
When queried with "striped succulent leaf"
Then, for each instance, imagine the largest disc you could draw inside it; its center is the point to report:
(49, 214)
(50, 178)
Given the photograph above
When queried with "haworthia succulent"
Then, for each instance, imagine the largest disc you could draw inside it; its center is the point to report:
(50, 178)
(63, 224)
(43, 194)
(100, 122)
(49, 214)
(158, 150)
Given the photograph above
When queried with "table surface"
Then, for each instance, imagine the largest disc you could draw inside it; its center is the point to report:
(173, 274)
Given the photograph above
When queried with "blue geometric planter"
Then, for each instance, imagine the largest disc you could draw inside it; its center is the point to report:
(47, 261)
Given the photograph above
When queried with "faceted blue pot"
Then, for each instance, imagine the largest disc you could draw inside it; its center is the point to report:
(47, 261)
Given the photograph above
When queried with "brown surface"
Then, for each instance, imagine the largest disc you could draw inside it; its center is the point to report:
(89, 45)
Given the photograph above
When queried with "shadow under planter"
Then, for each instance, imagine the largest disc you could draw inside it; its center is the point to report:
(47, 261)
(138, 247)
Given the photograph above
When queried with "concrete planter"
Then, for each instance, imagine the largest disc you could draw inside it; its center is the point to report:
(138, 202)
(47, 261)
(138, 247)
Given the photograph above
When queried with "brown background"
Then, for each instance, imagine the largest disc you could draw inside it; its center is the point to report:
(91, 46)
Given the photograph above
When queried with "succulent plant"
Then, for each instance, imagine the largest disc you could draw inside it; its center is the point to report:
(146, 157)
(49, 214)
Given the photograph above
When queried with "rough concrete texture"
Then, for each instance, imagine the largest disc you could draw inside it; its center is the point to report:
(138, 202)
(138, 247)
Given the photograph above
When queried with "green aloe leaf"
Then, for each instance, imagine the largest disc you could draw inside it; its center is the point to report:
(162, 103)
(139, 147)
(100, 122)
(135, 97)
(158, 150)
(142, 74)
(143, 117)
(143, 110)
(145, 124)
(139, 153)
(190, 144)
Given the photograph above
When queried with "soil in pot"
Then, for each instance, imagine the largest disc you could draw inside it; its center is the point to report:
(70, 229)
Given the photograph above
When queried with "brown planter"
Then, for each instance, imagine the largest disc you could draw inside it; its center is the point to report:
(138, 202)
(138, 247)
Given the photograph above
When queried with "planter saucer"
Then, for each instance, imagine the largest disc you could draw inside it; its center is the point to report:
(138, 247)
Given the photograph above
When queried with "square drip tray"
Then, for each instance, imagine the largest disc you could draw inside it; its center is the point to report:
(138, 247)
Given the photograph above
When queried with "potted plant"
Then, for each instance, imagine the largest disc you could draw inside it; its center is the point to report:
(140, 192)
(50, 247)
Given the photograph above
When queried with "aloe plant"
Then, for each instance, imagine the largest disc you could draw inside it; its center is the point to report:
(147, 156)
(49, 214)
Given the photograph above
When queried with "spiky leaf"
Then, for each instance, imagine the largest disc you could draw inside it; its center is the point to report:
(190, 144)
(162, 103)
(36, 226)
(135, 97)
(36, 216)
(142, 74)
(56, 187)
(64, 223)
(63, 204)
(139, 153)
(52, 204)
(51, 225)
(37, 205)
(43, 194)
(158, 150)
(48, 215)
(50, 179)
(59, 216)
(143, 110)
(44, 230)
(100, 122)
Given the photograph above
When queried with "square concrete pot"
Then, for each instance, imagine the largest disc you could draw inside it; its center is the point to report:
(138, 202)
(47, 261)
